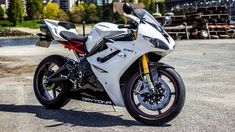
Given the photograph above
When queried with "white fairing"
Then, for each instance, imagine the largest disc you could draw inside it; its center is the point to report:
(147, 30)
(101, 30)
(130, 52)
(56, 29)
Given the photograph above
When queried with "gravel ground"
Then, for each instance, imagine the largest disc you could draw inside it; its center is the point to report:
(207, 67)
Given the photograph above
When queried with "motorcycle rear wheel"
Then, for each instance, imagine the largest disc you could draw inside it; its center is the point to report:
(157, 116)
(50, 95)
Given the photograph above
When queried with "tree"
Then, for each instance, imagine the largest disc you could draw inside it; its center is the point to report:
(62, 15)
(51, 10)
(34, 8)
(150, 5)
(1, 12)
(20, 10)
(162, 6)
(107, 13)
(131, 1)
(92, 13)
(78, 14)
(15, 11)
(119, 19)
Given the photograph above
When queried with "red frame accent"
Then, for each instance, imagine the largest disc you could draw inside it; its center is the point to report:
(75, 45)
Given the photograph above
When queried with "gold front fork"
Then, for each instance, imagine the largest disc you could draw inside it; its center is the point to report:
(145, 62)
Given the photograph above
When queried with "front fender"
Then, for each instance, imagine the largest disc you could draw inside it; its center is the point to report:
(159, 65)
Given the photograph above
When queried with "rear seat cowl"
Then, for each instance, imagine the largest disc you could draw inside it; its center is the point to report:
(67, 25)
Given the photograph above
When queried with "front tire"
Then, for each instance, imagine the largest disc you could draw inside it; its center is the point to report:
(159, 113)
(50, 95)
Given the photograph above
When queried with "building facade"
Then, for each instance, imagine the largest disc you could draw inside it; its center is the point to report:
(98, 2)
(5, 4)
(66, 5)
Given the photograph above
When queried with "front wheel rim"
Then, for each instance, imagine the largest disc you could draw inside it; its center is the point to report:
(159, 113)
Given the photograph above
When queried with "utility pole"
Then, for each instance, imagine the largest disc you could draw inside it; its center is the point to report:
(157, 6)
(6, 4)
(230, 11)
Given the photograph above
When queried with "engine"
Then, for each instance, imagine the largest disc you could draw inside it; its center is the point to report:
(82, 77)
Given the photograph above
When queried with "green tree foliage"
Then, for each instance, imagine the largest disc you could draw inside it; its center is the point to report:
(78, 14)
(92, 13)
(119, 19)
(51, 10)
(162, 7)
(131, 1)
(1, 12)
(99, 12)
(150, 5)
(20, 10)
(62, 15)
(15, 11)
(107, 13)
(34, 8)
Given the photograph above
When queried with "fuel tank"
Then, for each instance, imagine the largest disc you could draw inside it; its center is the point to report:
(100, 31)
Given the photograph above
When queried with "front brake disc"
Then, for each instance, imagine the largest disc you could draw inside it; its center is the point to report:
(162, 103)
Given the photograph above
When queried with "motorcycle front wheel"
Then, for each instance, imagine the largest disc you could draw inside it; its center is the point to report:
(159, 107)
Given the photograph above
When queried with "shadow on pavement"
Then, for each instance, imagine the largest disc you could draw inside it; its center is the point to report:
(73, 117)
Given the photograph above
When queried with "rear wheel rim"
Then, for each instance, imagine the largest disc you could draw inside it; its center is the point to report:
(48, 92)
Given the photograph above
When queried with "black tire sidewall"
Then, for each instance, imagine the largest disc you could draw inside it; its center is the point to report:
(178, 104)
(62, 98)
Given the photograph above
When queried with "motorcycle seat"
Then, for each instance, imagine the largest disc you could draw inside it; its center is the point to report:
(67, 25)
(72, 36)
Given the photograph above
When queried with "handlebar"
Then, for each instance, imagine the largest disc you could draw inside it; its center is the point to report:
(135, 21)
(132, 17)
(125, 26)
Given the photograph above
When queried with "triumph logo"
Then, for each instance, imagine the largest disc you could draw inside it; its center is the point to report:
(96, 101)
(129, 50)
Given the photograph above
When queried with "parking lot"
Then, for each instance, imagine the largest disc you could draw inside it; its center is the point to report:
(206, 66)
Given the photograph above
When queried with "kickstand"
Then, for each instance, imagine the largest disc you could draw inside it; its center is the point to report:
(115, 110)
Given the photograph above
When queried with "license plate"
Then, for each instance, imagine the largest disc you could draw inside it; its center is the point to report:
(43, 43)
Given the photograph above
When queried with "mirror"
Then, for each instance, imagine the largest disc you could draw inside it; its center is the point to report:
(167, 20)
(128, 8)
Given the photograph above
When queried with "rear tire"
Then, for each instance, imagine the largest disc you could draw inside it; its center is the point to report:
(42, 93)
(164, 117)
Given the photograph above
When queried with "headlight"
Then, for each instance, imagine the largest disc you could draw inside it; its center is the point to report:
(157, 43)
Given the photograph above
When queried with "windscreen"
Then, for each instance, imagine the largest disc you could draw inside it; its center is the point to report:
(147, 17)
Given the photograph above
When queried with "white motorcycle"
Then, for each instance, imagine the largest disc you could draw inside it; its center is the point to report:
(116, 65)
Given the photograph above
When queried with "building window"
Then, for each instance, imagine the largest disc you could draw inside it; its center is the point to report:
(64, 4)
